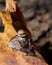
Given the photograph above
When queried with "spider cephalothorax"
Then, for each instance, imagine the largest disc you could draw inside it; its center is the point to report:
(21, 42)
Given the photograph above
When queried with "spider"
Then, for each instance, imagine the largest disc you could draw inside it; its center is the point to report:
(22, 42)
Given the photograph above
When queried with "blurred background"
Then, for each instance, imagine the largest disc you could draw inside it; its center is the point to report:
(38, 15)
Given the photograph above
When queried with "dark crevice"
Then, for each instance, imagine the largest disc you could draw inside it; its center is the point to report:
(1, 26)
(47, 54)
(2, 4)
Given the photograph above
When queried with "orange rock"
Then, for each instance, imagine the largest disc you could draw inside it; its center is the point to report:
(13, 57)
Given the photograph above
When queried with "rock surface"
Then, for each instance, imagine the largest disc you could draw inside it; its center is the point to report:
(11, 57)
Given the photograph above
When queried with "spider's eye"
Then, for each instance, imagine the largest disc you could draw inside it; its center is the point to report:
(1, 26)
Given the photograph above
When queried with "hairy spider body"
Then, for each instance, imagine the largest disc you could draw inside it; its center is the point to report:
(22, 42)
